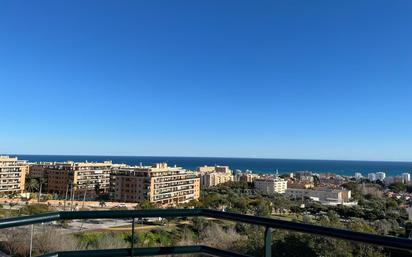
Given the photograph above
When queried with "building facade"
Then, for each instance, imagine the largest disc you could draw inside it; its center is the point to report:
(12, 174)
(270, 186)
(246, 177)
(159, 184)
(322, 195)
(213, 179)
(406, 177)
(214, 175)
(380, 176)
(77, 179)
(372, 176)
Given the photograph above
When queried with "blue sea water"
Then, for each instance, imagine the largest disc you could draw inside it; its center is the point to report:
(255, 164)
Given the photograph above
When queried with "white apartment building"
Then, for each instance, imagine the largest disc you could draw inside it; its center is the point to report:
(406, 177)
(372, 176)
(380, 176)
(325, 196)
(271, 185)
(358, 175)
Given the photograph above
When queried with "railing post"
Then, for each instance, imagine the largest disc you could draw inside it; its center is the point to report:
(132, 244)
(31, 239)
(268, 242)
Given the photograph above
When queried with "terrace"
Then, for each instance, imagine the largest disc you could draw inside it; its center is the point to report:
(387, 242)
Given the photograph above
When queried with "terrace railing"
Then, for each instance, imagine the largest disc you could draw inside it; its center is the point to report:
(403, 244)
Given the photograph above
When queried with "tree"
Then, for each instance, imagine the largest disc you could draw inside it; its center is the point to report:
(97, 189)
(102, 204)
(34, 209)
(11, 205)
(41, 182)
(85, 192)
(32, 185)
(397, 187)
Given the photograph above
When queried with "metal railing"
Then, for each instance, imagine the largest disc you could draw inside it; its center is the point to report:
(382, 241)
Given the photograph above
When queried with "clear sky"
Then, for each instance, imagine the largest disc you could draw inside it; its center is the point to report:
(282, 79)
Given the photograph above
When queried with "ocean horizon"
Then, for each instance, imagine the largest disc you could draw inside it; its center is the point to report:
(257, 165)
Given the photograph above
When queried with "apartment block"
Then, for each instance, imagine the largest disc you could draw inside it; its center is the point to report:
(159, 184)
(246, 177)
(406, 177)
(75, 177)
(12, 174)
(271, 185)
(216, 168)
(214, 175)
(213, 179)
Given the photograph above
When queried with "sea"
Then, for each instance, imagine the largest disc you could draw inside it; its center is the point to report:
(256, 165)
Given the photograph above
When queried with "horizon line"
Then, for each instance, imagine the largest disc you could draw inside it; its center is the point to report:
(215, 157)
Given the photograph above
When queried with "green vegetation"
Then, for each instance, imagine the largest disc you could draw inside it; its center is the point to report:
(32, 209)
(375, 213)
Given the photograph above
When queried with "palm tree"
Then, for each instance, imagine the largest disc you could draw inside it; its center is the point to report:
(85, 191)
(41, 186)
(73, 189)
(32, 185)
(67, 192)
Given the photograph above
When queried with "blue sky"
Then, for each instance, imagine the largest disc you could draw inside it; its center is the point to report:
(278, 79)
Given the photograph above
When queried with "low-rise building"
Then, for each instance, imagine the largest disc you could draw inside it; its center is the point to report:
(245, 177)
(304, 176)
(298, 184)
(323, 195)
(12, 174)
(329, 179)
(159, 184)
(271, 185)
(358, 175)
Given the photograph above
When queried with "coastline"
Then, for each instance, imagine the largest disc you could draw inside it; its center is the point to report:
(256, 165)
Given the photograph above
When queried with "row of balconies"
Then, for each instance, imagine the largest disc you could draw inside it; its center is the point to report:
(167, 185)
(173, 179)
(173, 188)
(176, 193)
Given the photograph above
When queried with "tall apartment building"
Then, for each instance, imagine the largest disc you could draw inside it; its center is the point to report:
(271, 185)
(75, 177)
(12, 174)
(380, 176)
(213, 179)
(406, 177)
(159, 184)
(214, 175)
(372, 176)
